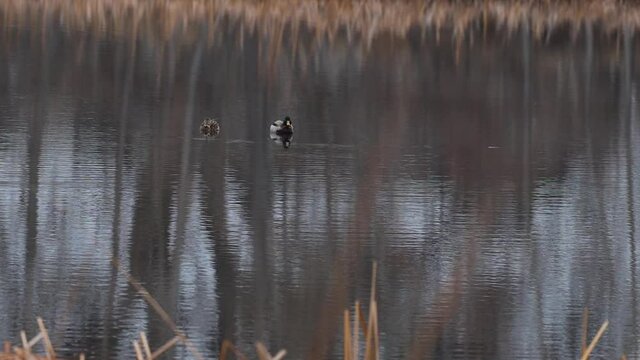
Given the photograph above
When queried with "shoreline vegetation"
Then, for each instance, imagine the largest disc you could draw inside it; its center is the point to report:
(360, 335)
(161, 21)
(352, 342)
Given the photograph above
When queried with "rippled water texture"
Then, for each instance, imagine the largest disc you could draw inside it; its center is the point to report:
(492, 170)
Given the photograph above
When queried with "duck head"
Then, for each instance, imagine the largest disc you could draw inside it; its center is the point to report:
(287, 123)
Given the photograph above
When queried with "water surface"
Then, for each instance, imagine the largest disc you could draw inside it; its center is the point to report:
(493, 177)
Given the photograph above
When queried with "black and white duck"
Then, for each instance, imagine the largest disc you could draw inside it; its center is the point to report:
(282, 127)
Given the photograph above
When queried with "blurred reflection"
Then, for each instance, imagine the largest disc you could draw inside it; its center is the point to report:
(284, 139)
(491, 170)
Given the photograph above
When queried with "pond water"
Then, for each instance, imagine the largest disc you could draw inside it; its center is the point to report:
(494, 178)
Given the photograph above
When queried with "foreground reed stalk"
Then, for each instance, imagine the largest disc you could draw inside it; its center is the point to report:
(28, 351)
(585, 350)
(351, 330)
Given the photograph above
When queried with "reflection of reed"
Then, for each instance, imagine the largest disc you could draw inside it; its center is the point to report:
(360, 19)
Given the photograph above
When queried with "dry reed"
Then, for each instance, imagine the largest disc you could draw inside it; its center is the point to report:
(585, 350)
(351, 342)
(351, 329)
(362, 19)
(27, 351)
(585, 327)
(180, 336)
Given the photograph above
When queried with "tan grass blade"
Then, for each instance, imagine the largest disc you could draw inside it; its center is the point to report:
(25, 343)
(376, 337)
(346, 328)
(168, 345)
(280, 355)
(369, 340)
(145, 345)
(263, 354)
(356, 333)
(370, 347)
(585, 327)
(48, 347)
(595, 340)
(35, 340)
(136, 347)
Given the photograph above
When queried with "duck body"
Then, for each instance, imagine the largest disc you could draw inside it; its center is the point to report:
(284, 139)
(210, 127)
(282, 127)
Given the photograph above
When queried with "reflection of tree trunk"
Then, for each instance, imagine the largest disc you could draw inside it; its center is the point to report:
(95, 64)
(588, 65)
(380, 157)
(215, 208)
(588, 69)
(116, 227)
(183, 198)
(526, 183)
(628, 119)
(33, 152)
(149, 254)
(261, 176)
(527, 120)
(185, 162)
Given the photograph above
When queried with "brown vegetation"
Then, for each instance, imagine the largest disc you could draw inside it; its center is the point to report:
(143, 350)
(27, 351)
(352, 325)
(363, 19)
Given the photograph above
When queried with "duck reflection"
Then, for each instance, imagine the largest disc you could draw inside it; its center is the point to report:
(284, 139)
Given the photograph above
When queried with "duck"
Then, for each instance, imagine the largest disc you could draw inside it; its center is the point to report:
(282, 127)
(210, 127)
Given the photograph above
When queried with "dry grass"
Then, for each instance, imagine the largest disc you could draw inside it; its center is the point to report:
(160, 20)
(371, 332)
(351, 334)
(353, 325)
(27, 350)
(585, 350)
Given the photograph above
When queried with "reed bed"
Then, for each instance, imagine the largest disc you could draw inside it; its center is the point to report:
(143, 350)
(353, 325)
(160, 20)
(27, 349)
(355, 346)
